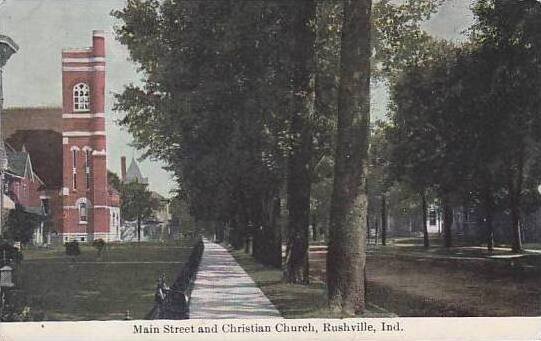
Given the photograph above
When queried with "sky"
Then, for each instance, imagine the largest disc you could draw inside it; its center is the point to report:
(42, 28)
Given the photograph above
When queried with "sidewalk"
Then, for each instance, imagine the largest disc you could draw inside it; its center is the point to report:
(224, 290)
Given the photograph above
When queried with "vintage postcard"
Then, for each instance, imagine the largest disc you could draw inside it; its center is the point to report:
(270, 169)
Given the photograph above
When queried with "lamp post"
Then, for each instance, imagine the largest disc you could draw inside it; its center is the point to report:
(6, 282)
(7, 48)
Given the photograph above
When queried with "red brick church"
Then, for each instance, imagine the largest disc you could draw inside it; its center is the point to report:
(68, 150)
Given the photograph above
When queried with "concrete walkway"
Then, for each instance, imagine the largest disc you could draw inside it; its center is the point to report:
(224, 290)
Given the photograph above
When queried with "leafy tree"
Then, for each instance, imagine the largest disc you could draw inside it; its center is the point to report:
(113, 180)
(137, 204)
(195, 97)
(72, 249)
(399, 40)
(99, 244)
(468, 116)
(401, 43)
(415, 134)
(20, 225)
(509, 39)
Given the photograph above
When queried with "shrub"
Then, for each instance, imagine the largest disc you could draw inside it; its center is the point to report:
(12, 253)
(99, 244)
(72, 248)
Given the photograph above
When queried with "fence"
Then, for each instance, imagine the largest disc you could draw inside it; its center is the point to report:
(174, 303)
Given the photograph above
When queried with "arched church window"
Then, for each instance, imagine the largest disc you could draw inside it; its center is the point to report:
(81, 97)
(82, 212)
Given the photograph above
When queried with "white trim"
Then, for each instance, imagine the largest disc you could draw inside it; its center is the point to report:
(82, 133)
(110, 236)
(98, 33)
(75, 148)
(10, 43)
(80, 49)
(67, 207)
(85, 148)
(99, 153)
(13, 175)
(65, 191)
(44, 197)
(89, 237)
(71, 236)
(83, 60)
(65, 140)
(96, 115)
(84, 68)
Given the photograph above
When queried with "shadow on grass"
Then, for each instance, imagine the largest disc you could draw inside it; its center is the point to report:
(295, 300)
(292, 300)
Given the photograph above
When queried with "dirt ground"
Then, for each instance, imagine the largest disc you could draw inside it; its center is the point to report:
(417, 286)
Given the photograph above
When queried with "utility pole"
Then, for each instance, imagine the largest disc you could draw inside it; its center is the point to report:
(7, 48)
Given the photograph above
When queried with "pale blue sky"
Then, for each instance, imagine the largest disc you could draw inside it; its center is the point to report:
(42, 28)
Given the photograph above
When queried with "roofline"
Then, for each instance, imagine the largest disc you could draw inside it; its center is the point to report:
(9, 42)
(45, 107)
(13, 174)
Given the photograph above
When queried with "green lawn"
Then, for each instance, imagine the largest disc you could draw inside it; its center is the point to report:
(59, 287)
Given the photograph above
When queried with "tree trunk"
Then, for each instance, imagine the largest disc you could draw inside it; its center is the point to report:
(383, 220)
(517, 238)
(219, 231)
(368, 236)
(515, 189)
(268, 238)
(138, 229)
(376, 230)
(487, 198)
(447, 223)
(315, 234)
(349, 206)
(236, 233)
(426, 241)
(298, 178)
(275, 252)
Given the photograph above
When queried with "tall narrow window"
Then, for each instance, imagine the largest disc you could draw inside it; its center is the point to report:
(82, 212)
(81, 97)
(45, 206)
(88, 154)
(74, 172)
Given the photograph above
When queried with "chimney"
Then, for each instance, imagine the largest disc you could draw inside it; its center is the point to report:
(98, 43)
(123, 168)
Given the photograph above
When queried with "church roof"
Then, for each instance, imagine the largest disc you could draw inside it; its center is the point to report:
(20, 164)
(17, 162)
(39, 129)
(133, 174)
(45, 149)
(31, 118)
